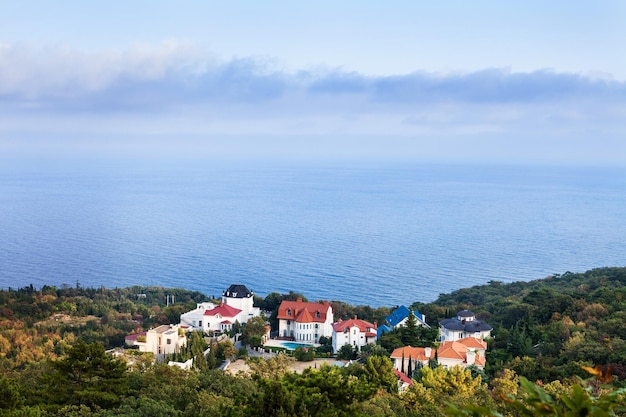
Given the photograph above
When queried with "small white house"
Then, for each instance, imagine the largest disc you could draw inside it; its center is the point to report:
(354, 332)
(465, 324)
(165, 339)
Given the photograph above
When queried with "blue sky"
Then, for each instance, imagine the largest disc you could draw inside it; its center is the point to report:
(422, 81)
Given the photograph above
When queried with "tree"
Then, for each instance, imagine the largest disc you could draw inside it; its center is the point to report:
(271, 368)
(88, 375)
(379, 371)
(253, 327)
(409, 333)
(10, 397)
(346, 352)
(434, 388)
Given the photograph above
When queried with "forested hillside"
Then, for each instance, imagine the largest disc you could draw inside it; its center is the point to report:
(546, 329)
(559, 346)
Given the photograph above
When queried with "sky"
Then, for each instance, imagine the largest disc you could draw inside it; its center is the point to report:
(456, 81)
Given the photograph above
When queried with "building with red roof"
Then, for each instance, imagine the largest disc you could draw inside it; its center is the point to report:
(237, 306)
(305, 322)
(462, 352)
(354, 332)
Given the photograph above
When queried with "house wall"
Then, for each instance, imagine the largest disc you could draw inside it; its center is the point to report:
(305, 332)
(157, 341)
(246, 305)
(195, 319)
(353, 337)
(397, 363)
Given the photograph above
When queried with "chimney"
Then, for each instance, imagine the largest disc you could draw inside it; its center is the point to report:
(355, 317)
(471, 357)
(427, 352)
(299, 300)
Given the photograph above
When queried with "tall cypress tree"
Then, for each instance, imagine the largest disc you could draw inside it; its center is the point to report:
(410, 368)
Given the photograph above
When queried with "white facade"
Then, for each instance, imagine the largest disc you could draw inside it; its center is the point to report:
(354, 332)
(163, 340)
(464, 325)
(195, 320)
(245, 304)
(305, 322)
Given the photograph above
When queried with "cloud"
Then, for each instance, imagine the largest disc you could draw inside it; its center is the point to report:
(178, 88)
(182, 73)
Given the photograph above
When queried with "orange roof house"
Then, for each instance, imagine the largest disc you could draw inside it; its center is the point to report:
(463, 352)
(303, 321)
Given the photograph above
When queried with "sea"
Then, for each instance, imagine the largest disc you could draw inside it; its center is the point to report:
(378, 234)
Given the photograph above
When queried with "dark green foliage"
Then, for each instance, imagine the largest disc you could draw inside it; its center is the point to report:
(10, 397)
(346, 352)
(252, 332)
(304, 354)
(87, 375)
(544, 330)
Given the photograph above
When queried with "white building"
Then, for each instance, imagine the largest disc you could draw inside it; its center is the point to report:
(354, 332)
(240, 297)
(165, 339)
(465, 324)
(237, 306)
(217, 319)
(194, 319)
(305, 322)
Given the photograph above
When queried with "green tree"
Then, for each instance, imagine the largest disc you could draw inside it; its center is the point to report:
(346, 352)
(253, 327)
(409, 333)
(10, 397)
(379, 371)
(88, 375)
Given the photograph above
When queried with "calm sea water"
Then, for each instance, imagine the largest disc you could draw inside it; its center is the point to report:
(378, 235)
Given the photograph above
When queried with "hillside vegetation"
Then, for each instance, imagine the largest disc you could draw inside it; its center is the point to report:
(559, 347)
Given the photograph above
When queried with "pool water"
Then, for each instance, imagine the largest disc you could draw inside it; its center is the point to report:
(294, 345)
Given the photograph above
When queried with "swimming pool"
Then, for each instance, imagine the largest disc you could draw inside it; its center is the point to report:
(294, 345)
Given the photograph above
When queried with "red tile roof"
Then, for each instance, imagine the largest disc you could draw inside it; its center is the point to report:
(224, 310)
(474, 343)
(452, 350)
(415, 353)
(292, 310)
(362, 325)
(402, 377)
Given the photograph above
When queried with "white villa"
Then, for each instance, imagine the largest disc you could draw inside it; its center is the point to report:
(240, 297)
(237, 306)
(305, 322)
(354, 332)
(465, 324)
(165, 339)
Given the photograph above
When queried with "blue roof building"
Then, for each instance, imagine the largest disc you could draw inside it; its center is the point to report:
(398, 318)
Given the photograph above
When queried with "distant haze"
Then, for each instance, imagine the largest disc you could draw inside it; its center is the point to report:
(518, 83)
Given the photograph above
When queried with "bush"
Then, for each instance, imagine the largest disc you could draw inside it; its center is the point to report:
(304, 354)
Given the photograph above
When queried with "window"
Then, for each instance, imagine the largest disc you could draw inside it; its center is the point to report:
(289, 312)
(288, 322)
(317, 314)
(200, 323)
(169, 341)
